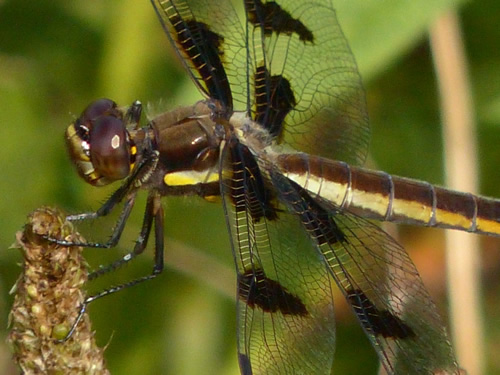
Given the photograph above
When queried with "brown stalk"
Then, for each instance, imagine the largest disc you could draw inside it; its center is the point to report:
(48, 297)
(462, 249)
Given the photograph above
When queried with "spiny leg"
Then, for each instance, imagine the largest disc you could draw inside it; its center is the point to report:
(129, 188)
(150, 213)
(108, 206)
(117, 231)
(154, 211)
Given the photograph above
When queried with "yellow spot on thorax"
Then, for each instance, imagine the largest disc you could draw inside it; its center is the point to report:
(183, 178)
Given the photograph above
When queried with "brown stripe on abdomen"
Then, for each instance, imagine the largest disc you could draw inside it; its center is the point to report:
(378, 195)
(310, 173)
(488, 215)
(417, 202)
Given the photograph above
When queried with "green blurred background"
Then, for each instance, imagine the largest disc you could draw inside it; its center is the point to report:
(56, 56)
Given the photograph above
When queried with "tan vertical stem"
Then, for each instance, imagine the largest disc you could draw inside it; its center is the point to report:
(462, 253)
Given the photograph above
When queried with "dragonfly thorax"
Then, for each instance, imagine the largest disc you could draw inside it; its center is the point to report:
(188, 148)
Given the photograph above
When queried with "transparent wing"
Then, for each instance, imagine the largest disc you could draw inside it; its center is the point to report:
(305, 72)
(288, 64)
(285, 302)
(379, 281)
(209, 39)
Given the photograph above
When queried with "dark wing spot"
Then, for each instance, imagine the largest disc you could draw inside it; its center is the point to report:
(248, 189)
(204, 49)
(245, 365)
(259, 291)
(317, 220)
(381, 322)
(271, 17)
(274, 99)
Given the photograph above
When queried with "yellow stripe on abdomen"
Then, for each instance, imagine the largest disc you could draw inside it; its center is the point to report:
(378, 195)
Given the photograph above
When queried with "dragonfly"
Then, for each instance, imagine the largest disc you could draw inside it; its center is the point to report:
(279, 139)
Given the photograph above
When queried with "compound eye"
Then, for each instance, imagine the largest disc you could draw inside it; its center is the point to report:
(110, 148)
(95, 109)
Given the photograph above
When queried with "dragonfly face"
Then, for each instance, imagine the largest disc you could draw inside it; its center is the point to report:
(112, 153)
(284, 115)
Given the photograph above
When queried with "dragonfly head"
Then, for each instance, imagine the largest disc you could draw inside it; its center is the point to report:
(99, 144)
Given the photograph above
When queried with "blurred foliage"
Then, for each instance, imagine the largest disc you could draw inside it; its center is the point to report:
(56, 56)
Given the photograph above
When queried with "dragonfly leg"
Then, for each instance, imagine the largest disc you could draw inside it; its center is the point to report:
(126, 191)
(154, 211)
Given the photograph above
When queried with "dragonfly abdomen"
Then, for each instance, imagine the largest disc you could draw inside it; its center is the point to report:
(379, 195)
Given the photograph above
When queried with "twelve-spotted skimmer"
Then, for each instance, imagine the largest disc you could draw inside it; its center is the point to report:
(284, 112)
